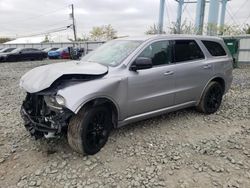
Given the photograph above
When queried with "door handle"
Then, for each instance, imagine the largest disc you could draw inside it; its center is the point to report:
(207, 67)
(168, 73)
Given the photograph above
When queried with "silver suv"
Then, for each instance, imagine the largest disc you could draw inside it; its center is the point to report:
(124, 81)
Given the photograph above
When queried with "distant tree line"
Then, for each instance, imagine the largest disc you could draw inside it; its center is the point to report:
(99, 33)
(189, 28)
(5, 39)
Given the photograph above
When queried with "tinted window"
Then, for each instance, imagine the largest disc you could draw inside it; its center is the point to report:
(9, 50)
(186, 50)
(214, 48)
(159, 52)
(25, 50)
(29, 50)
(33, 50)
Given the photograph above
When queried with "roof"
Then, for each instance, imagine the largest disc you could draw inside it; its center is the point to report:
(172, 36)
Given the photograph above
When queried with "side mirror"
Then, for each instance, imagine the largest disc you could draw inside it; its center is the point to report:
(20, 52)
(141, 63)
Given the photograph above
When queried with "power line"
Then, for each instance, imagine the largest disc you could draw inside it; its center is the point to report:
(242, 5)
(168, 15)
(246, 20)
(60, 23)
(47, 32)
(231, 16)
(35, 17)
(187, 11)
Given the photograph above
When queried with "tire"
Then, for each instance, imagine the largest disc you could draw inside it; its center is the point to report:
(89, 129)
(211, 98)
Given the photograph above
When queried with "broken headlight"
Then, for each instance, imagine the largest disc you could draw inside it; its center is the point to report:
(55, 102)
(60, 100)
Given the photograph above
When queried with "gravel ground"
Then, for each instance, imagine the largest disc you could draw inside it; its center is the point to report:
(180, 149)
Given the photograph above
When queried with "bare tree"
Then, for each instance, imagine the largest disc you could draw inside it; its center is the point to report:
(105, 32)
(97, 33)
(109, 32)
(152, 30)
(185, 28)
(5, 39)
(246, 29)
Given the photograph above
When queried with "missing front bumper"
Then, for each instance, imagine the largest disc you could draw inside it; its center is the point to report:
(40, 120)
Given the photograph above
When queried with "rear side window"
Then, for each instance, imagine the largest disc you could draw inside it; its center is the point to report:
(186, 50)
(214, 48)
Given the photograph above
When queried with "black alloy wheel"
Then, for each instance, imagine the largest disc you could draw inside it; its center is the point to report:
(89, 129)
(97, 130)
(211, 98)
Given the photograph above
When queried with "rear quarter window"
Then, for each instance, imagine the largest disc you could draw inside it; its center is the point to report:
(214, 48)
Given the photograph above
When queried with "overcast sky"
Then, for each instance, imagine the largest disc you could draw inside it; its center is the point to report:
(128, 17)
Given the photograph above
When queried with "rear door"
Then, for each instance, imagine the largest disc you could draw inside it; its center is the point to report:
(192, 70)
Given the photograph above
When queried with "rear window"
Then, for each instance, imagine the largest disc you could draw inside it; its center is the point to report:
(214, 48)
(186, 50)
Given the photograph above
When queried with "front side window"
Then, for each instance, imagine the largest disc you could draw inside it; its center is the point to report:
(214, 48)
(24, 50)
(112, 53)
(158, 52)
(186, 50)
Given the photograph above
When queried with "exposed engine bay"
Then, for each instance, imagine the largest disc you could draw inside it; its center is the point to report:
(43, 117)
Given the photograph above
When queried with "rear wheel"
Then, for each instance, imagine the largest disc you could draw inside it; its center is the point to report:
(211, 98)
(88, 131)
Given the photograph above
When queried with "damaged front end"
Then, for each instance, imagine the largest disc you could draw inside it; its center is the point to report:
(44, 115)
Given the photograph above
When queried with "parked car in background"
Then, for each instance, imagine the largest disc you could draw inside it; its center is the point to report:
(50, 49)
(124, 81)
(5, 50)
(75, 52)
(23, 54)
(61, 53)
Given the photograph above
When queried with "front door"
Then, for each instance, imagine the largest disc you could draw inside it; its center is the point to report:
(152, 89)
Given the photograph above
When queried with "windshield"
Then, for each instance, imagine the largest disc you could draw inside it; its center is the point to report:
(17, 50)
(7, 50)
(112, 53)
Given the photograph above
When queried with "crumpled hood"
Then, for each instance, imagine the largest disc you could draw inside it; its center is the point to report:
(42, 77)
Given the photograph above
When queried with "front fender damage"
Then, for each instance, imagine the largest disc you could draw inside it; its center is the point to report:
(43, 119)
(113, 88)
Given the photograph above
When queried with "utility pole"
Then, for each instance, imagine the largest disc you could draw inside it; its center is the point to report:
(73, 20)
(179, 15)
(213, 17)
(222, 16)
(161, 15)
(199, 21)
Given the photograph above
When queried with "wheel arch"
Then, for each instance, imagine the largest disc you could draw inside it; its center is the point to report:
(218, 79)
(103, 101)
